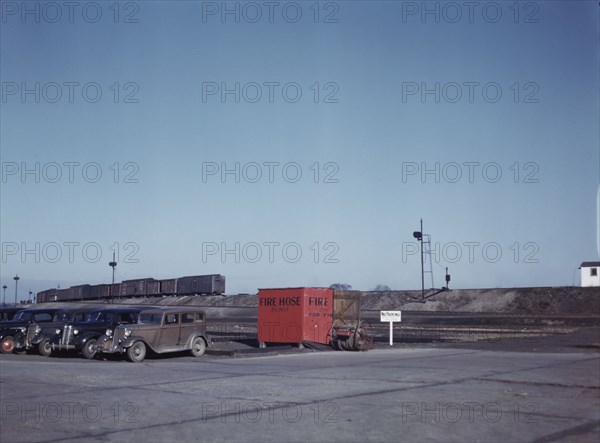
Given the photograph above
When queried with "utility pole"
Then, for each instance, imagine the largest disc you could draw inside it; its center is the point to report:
(113, 265)
(4, 295)
(16, 278)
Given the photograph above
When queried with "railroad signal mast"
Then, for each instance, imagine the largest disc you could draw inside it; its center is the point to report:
(425, 240)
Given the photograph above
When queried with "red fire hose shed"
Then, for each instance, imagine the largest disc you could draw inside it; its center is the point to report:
(295, 315)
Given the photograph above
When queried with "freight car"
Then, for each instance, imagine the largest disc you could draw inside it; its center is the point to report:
(213, 284)
(201, 284)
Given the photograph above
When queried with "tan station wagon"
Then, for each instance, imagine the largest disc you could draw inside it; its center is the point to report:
(161, 331)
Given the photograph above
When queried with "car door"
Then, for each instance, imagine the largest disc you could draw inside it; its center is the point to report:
(188, 326)
(170, 330)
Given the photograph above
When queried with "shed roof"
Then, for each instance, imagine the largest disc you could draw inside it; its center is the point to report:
(589, 264)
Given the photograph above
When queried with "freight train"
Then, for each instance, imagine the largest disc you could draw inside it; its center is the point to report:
(213, 284)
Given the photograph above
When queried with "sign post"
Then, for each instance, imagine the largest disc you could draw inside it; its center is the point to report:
(391, 316)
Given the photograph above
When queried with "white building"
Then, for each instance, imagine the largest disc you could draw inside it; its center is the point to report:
(590, 273)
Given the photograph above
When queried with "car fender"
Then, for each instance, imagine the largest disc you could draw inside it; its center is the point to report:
(195, 336)
(128, 342)
(12, 332)
(38, 338)
(19, 339)
(83, 339)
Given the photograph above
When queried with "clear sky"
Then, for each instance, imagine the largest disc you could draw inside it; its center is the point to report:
(299, 143)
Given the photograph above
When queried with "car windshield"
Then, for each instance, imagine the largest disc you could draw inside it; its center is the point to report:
(22, 316)
(150, 318)
(62, 316)
(99, 316)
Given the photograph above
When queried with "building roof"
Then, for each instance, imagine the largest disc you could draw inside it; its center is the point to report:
(588, 264)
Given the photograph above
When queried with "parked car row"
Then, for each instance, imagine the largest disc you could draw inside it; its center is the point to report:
(132, 331)
(213, 284)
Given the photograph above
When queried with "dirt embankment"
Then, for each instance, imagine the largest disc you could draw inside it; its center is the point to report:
(544, 300)
(533, 301)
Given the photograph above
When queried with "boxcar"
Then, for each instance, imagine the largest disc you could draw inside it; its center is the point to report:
(48, 295)
(98, 292)
(168, 287)
(201, 284)
(136, 288)
(115, 290)
(81, 292)
(152, 287)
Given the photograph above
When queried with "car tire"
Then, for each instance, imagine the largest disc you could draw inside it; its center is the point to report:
(8, 344)
(45, 348)
(136, 352)
(89, 349)
(198, 347)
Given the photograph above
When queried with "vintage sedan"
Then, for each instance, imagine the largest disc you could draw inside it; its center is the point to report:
(160, 331)
(8, 313)
(82, 336)
(19, 324)
(38, 335)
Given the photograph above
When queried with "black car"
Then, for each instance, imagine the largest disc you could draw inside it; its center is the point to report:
(38, 335)
(82, 336)
(19, 324)
(8, 313)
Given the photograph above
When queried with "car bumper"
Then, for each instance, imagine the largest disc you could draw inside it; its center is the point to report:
(105, 345)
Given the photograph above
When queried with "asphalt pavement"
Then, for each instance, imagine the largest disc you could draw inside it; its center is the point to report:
(483, 392)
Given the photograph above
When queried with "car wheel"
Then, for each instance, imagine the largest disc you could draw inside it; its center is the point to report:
(136, 352)
(44, 348)
(198, 347)
(89, 349)
(8, 344)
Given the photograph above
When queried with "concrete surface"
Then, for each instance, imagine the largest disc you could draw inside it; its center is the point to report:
(442, 393)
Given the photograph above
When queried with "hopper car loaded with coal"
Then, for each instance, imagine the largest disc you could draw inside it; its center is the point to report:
(213, 284)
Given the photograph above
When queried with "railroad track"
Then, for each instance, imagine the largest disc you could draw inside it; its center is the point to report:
(234, 329)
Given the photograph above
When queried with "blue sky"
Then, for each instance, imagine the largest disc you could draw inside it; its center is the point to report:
(361, 133)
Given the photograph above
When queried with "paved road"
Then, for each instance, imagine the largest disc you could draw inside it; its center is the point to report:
(400, 394)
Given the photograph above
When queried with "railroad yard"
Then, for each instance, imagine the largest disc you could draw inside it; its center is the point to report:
(471, 365)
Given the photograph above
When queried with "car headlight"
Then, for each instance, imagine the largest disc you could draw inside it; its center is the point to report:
(75, 331)
(58, 331)
(108, 332)
(127, 332)
(38, 330)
